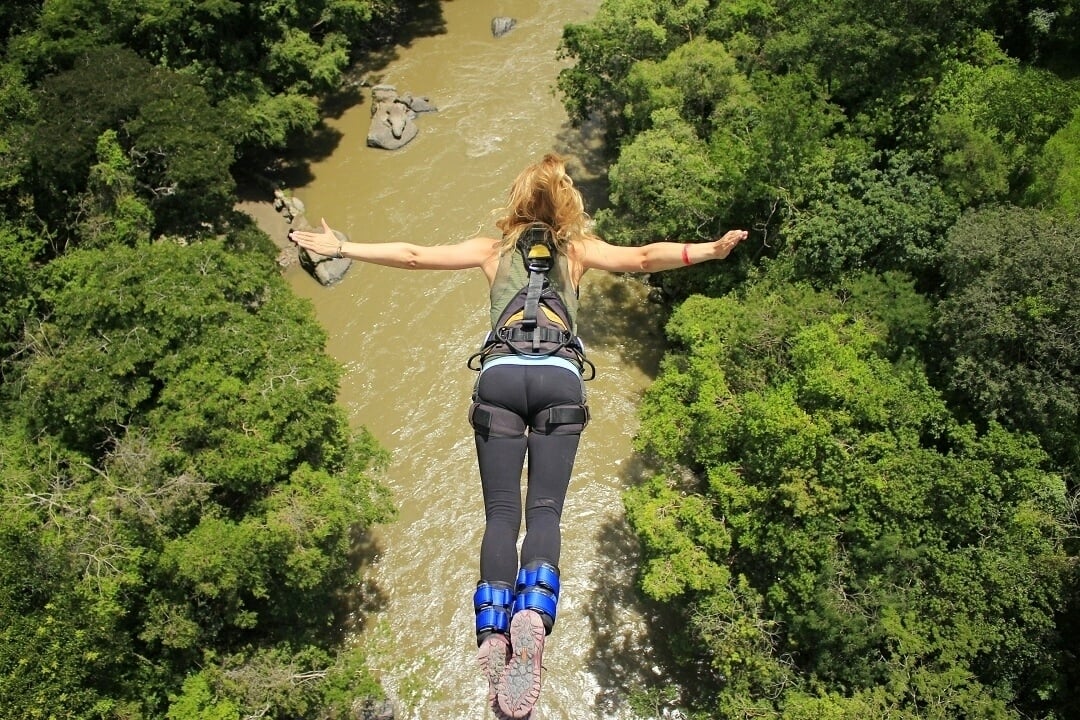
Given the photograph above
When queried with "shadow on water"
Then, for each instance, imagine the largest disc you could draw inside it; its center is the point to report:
(366, 599)
(615, 318)
(587, 161)
(622, 670)
(616, 315)
(419, 20)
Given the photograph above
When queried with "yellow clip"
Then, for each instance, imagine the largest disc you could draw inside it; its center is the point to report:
(539, 250)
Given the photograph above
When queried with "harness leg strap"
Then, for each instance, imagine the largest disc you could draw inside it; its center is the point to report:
(562, 419)
(538, 590)
(494, 421)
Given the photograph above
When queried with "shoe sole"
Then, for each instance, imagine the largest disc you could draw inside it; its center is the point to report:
(492, 657)
(519, 687)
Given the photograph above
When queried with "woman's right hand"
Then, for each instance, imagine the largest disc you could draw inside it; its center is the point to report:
(324, 243)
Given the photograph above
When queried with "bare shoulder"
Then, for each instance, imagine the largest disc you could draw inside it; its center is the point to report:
(486, 250)
(483, 242)
(589, 246)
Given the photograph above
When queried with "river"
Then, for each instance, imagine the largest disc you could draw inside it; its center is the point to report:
(403, 339)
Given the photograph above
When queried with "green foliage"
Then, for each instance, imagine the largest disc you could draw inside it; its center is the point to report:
(192, 488)
(792, 139)
(883, 555)
(184, 151)
(258, 64)
(312, 67)
(682, 546)
(866, 218)
(179, 491)
(66, 30)
(1008, 322)
(746, 150)
(606, 47)
(1056, 183)
(61, 637)
(666, 175)
(1045, 33)
(17, 16)
(696, 79)
(212, 38)
(990, 123)
(270, 121)
(18, 247)
(849, 135)
(76, 107)
(111, 210)
(861, 51)
(891, 299)
(17, 107)
(179, 146)
(198, 701)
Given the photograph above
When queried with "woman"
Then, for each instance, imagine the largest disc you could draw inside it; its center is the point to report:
(529, 398)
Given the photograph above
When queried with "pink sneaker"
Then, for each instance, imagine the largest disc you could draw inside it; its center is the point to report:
(492, 657)
(519, 686)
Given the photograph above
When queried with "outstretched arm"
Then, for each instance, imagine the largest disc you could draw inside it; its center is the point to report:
(657, 256)
(471, 253)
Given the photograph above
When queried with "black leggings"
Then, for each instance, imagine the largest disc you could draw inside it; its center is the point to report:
(515, 400)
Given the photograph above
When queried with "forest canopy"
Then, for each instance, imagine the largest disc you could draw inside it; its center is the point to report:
(181, 491)
(865, 428)
(864, 432)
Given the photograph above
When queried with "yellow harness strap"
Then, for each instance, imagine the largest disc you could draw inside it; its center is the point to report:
(520, 315)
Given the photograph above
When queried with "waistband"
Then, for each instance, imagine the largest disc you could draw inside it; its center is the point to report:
(533, 361)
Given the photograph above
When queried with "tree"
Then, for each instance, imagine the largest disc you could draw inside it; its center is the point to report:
(110, 211)
(177, 467)
(665, 184)
(18, 15)
(62, 638)
(183, 154)
(1056, 181)
(180, 147)
(605, 48)
(697, 79)
(862, 52)
(991, 120)
(834, 548)
(17, 107)
(1008, 323)
(866, 218)
(18, 248)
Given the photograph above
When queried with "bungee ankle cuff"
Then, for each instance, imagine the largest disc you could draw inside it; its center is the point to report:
(492, 603)
(538, 589)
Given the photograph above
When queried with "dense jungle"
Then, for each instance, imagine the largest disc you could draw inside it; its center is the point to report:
(865, 426)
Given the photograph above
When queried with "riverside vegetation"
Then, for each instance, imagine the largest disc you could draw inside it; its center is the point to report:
(865, 427)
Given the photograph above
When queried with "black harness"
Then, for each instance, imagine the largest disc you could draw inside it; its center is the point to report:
(535, 322)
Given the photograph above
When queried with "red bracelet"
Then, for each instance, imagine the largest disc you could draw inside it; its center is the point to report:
(685, 255)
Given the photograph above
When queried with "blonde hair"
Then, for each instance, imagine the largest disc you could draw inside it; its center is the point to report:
(544, 194)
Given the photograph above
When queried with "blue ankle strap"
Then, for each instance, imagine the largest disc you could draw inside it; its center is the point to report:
(492, 604)
(538, 589)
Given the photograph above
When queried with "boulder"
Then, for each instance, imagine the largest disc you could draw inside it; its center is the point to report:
(502, 25)
(327, 270)
(372, 710)
(392, 126)
(289, 206)
(393, 117)
(417, 104)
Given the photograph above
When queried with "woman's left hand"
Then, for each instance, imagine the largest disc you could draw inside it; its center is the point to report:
(725, 244)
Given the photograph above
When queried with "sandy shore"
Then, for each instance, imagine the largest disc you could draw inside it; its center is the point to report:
(269, 220)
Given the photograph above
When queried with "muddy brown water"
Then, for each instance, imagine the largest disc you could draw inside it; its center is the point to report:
(403, 339)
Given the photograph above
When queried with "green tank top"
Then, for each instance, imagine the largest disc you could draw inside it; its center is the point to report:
(512, 275)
